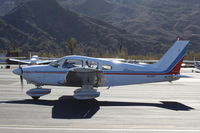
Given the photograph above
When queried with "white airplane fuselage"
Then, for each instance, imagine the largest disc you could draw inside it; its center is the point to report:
(120, 73)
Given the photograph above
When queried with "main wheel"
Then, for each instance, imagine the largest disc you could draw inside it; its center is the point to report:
(36, 97)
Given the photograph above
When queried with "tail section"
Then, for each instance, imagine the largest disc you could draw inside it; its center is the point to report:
(171, 61)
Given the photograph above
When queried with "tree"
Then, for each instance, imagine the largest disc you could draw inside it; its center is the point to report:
(71, 44)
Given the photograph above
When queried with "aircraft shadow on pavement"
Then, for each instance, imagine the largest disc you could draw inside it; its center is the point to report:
(66, 107)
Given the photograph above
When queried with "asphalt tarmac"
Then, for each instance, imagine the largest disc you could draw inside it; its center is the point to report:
(146, 108)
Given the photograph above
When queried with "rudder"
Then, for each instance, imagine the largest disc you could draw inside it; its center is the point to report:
(173, 58)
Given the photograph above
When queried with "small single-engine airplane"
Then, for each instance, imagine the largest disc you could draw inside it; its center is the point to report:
(196, 66)
(88, 72)
(34, 60)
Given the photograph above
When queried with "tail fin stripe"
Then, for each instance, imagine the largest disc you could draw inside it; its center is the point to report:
(177, 60)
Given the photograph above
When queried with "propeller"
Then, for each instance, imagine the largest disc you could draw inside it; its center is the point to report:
(21, 78)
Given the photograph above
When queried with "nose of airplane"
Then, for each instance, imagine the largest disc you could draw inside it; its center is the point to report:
(17, 71)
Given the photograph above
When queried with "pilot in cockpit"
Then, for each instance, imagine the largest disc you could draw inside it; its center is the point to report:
(67, 64)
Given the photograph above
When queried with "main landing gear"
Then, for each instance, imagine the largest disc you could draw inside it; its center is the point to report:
(86, 92)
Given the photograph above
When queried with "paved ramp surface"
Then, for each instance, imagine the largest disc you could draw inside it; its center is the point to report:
(147, 108)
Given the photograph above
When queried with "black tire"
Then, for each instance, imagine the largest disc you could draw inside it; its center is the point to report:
(36, 97)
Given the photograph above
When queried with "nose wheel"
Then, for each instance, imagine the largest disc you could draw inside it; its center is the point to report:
(35, 97)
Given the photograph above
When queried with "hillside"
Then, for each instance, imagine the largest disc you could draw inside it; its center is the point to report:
(156, 20)
(45, 26)
(149, 26)
(8, 5)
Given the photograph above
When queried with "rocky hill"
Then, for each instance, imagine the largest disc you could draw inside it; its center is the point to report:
(140, 26)
(8, 5)
(43, 25)
(157, 20)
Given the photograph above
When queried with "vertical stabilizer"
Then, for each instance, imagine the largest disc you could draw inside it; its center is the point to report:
(172, 59)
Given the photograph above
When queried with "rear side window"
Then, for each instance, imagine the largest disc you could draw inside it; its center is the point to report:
(106, 67)
(92, 64)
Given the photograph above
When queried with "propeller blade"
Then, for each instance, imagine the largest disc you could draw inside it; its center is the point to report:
(21, 78)
(21, 81)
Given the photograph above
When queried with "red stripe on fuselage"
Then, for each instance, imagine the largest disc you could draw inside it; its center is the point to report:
(134, 73)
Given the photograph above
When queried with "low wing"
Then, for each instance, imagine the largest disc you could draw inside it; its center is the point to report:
(84, 76)
(44, 61)
(29, 61)
(21, 61)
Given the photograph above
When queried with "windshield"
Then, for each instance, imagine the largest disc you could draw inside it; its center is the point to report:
(56, 63)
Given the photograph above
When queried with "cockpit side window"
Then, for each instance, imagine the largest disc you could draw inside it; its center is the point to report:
(70, 63)
(91, 64)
